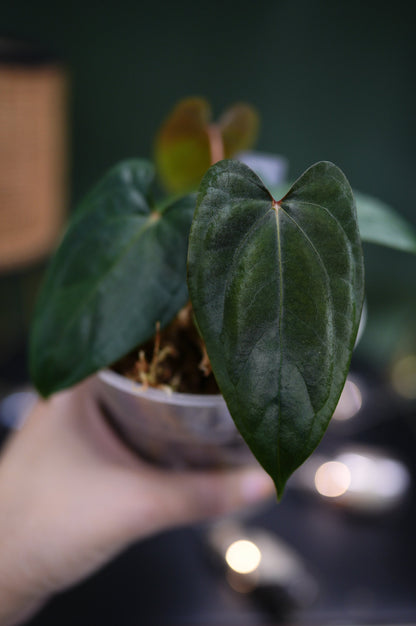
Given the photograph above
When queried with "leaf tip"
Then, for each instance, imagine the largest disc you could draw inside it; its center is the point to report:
(280, 486)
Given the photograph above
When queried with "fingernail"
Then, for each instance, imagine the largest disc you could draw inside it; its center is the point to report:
(256, 486)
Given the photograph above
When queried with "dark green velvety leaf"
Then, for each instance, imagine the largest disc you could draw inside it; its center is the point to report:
(277, 291)
(378, 222)
(120, 268)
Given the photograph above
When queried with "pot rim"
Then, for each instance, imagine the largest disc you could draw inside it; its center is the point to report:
(113, 379)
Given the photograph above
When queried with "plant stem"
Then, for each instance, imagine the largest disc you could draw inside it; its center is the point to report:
(216, 143)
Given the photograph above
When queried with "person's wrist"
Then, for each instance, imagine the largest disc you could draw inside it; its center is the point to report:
(17, 604)
(20, 595)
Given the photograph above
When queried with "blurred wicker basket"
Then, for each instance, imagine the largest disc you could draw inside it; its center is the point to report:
(33, 153)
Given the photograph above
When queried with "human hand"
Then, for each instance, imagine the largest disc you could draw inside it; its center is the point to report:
(72, 496)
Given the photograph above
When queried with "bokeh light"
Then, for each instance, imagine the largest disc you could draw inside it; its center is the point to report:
(243, 556)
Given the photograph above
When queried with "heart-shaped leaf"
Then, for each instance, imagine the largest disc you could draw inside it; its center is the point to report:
(277, 291)
(378, 222)
(120, 268)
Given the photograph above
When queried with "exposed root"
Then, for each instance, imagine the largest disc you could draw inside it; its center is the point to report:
(175, 359)
(205, 363)
(148, 373)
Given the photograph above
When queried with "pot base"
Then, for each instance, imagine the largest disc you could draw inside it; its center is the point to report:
(174, 430)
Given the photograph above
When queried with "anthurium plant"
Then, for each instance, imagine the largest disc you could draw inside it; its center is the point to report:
(274, 280)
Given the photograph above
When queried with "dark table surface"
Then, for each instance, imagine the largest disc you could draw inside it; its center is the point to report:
(363, 565)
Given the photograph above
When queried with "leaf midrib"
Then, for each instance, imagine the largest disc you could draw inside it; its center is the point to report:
(277, 210)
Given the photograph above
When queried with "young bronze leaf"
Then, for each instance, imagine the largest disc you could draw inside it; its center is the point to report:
(277, 290)
(239, 127)
(120, 268)
(182, 147)
(188, 141)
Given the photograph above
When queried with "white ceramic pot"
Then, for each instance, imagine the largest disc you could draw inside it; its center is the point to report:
(172, 429)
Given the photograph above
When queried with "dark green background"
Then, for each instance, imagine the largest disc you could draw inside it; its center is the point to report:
(332, 80)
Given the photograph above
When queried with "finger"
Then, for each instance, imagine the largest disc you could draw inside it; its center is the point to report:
(221, 492)
(194, 496)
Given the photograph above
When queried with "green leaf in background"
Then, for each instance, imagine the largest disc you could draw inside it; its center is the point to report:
(380, 224)
(120, 268)
(277, 291)
(188, 141)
